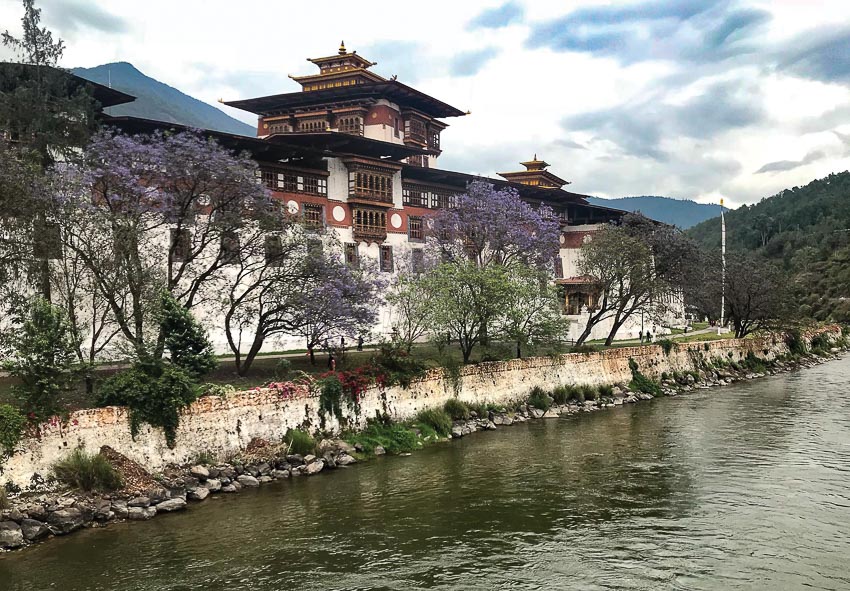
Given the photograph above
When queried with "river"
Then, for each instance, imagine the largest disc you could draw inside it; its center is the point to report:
(745, 487)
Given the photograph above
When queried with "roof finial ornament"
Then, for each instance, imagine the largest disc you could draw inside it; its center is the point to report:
(342, 50)
(535, 156)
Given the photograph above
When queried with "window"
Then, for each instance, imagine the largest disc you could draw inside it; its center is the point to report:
(273, 248)
(559, 267)
(371, 184)
(413, 195)
(229, 247)
(370, 223)
(417, 260)
(353, 125)
(313, 215)
(315, 248)
(387, 259)
(351, 258)
(396, 127)
(47, 241)
(180, 245)
(294, 182)
(415, 229)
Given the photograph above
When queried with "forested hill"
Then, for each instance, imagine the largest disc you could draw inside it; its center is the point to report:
(155, 100)
(678, 212)
(804, 229)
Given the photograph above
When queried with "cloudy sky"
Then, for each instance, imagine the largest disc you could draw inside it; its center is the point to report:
(687, 98)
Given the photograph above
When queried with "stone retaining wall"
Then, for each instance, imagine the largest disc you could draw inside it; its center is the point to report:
(225, 425)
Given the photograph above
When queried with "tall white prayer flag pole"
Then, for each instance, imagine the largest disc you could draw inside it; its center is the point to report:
(723, 265)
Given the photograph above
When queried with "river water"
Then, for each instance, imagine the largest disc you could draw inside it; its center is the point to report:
(745, 487)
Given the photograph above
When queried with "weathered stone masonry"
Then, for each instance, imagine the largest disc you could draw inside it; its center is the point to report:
(225, 425)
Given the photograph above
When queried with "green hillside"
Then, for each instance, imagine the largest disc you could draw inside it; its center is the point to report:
(807, 231)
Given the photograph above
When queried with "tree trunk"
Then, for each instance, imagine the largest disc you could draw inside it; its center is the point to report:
(243, 367)
(312, 351)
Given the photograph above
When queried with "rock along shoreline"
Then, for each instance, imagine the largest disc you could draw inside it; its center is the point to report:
(35, 517)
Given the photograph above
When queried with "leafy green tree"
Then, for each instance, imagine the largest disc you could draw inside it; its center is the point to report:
(41, 351)
(463, 297)
(186, 341)
(41, 106)
(529, 308)
(412, 311)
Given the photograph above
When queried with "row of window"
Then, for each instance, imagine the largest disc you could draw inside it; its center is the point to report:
(294, 182)
(273, 251)
(419, 196)
(385, 260)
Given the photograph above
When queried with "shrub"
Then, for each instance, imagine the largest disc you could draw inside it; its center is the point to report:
(819, 343)
(456, 409)
(12, 424)
(584, 349)
(795, 343)
(299, 442)
(641, 383)
(282, 369)
(539, 399)
(204, 458)
(754, 364)
(398, 365)
(155, 393)
(561, 394)
(42, 353)
(437, 419)
(606, 390)
(4, 500)
(667, 345)
(586, 393)
(330, 397)
(186, 340)
(87, 472)
(395, 438)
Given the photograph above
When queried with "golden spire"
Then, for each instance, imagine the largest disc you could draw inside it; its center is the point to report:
(535, 156)
(342, 50)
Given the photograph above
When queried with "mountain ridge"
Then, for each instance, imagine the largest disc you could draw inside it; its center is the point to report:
(683, 213)
(159, 101)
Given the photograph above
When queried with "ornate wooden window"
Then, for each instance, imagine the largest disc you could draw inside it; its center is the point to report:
(442, 199)
(280, 127)
(387, 259)
(414, 129)
(414, 195)
(294, 182)
(351, 257)
(370, 224)
(273, 250)
(417, 260)
(47, 241)
(312, 125)
(415, 228)
(313, 215)
(418, 160)
(181, 243)
(350, 124)
(229, 247)
(434, 140)
(371, 185)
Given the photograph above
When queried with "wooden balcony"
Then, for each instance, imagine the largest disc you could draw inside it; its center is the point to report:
(370, 233)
